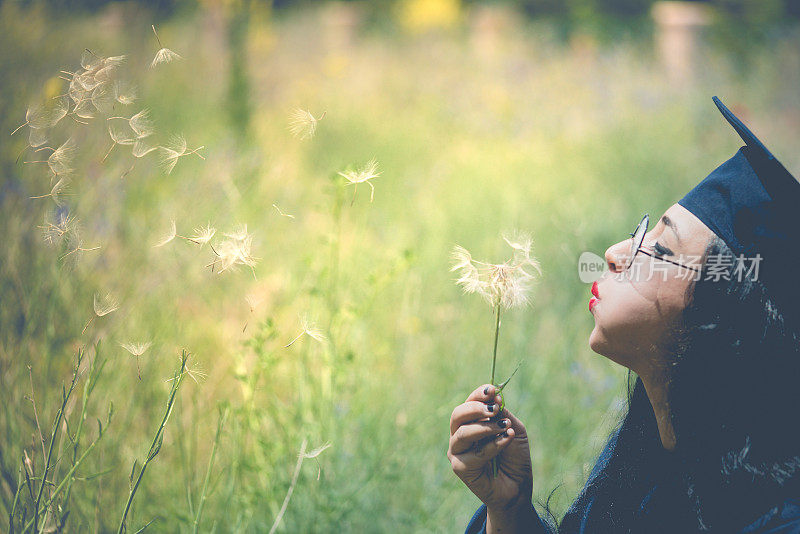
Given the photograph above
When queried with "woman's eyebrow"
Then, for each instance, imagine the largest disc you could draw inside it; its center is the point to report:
(671, 224)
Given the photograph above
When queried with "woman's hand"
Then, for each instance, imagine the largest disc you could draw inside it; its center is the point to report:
(480, 432)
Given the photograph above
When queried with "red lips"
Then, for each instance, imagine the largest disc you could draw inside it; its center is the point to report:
(595, 299)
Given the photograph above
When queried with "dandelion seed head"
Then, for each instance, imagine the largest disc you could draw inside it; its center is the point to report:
(104, 304)
(136, 348)
(505, 284)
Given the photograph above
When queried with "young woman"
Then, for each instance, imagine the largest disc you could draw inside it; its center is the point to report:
(703, 309)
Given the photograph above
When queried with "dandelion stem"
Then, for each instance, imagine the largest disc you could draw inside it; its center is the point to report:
(157, 39)
(296, 474)
(158, 439)
(494, 361)
(223, 414)
(496, 337)
(18, 128)
(109, 151)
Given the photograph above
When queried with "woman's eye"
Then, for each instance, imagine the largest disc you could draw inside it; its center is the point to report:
(661, 251)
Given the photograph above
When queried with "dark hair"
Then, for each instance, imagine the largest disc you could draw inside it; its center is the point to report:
(733, 397)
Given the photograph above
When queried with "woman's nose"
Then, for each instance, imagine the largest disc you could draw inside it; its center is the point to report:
(617, 256)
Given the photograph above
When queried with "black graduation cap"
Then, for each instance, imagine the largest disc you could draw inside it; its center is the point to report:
(752, 203)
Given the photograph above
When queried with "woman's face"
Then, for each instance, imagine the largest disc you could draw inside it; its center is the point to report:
(635, 308)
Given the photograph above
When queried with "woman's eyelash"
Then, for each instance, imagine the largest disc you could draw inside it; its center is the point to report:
(661, 251)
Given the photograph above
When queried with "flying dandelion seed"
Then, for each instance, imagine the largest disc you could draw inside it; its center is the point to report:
(234, 251)
(56, 226)
(502, 285)
(314, 454)
(140, 123)
(203, 235)
(176, 150)
(118, 137)
(102, 98)
(302, 124)
(60, 161)
(37, 138)
(102, 306)
(193, 370)
(136, 350)
(60, 189)
(169, 236)
(164, 55)
(141, 149)
(367, 173)
(308, 330)
(36, 117)
(281, 212)
(125, 92)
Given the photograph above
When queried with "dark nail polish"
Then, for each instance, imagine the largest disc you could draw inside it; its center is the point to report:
(486, 390)
(490, 407)
(502, 423)
(504, 434)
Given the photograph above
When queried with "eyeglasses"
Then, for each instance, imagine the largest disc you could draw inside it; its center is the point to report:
(637, 237)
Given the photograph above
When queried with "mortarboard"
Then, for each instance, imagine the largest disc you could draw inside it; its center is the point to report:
(752, 203)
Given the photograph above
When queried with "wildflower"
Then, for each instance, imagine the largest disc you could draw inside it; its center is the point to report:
(164, 55)
(367, 173)
(303, 124)
(308, 330)
(136, 350)
(169, 236)
(176, 150)
(102, 305)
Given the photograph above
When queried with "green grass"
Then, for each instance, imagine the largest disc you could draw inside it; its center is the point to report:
(568, 141)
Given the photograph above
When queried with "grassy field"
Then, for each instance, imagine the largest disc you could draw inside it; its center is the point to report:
(474, 134)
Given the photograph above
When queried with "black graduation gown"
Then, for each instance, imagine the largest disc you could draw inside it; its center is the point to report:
(783, 518)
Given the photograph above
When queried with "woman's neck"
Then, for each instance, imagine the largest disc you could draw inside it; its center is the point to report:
(655, 384)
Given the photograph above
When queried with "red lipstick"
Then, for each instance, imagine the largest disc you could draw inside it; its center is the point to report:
(593, 301)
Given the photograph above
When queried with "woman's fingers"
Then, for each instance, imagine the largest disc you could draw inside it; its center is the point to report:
(466, 436)
(471, 411)
(474, 460)
(484, 393)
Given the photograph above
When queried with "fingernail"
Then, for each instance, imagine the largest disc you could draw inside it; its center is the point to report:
(486, 390)
(504, 434)
(502, 423)
(490, 407)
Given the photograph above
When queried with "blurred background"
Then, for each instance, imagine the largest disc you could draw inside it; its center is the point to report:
(565, 119)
